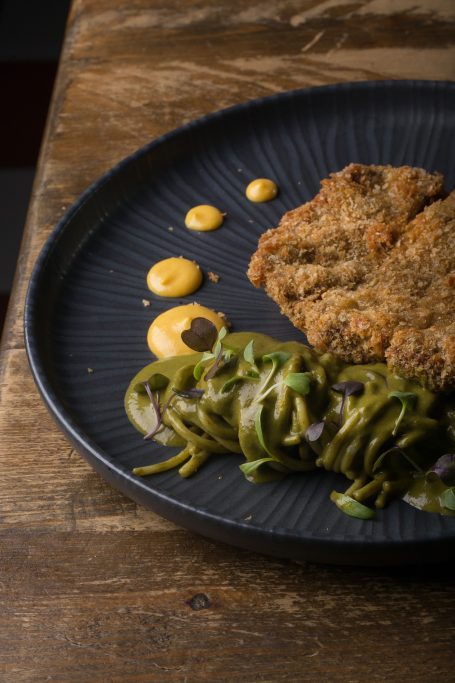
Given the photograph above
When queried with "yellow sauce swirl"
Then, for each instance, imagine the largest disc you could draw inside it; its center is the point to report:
(174, 277)
(261, 190)
(164, 334)
(204, 218)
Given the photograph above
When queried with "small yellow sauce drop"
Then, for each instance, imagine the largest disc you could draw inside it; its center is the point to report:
(163, 337)
(174, 277)
(261, 190)
(203, 218)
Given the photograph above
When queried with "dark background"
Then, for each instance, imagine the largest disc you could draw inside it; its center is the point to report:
(31, 35)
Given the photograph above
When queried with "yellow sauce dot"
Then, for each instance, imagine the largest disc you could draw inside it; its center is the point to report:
(174, 277)
(204, 218)
(163, 337)
(261, 190)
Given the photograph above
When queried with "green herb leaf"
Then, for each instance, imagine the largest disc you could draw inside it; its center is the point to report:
(259, 430)
(199, 367)
(249, 467)
(228, 354)
(236, 379)
(350, 506)
(447, 499)
(201, 335)
(403, 395)
(395, 450)
(218, 345)
(188, 393)
(248, 355)
(406, 398)
(277, 358)
(299, 382)
(248, 352)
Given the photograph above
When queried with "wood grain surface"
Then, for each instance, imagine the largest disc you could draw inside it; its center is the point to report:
(94, 588)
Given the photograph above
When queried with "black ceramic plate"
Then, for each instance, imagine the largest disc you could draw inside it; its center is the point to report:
(84, 306)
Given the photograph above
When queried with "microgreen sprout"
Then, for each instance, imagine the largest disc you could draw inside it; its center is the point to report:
(203, 336)
(237, 379)
(350, 506)
(248, 355)
(406, 398)
(299, 382)
(277, 358)
(349, 388)
(392, 452)
(198, 370)
(248, 468)
(447, 499)
(443, 469)
(218, 346)
(188, 393)
(260, 431)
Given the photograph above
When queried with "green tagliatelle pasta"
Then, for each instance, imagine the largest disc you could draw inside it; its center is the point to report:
(288, 408)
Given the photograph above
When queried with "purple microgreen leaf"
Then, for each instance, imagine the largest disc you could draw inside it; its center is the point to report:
(314, 431)
(159, 423)
(215, 367)
(188, 393)
(443, 469)
(447, 499)
(406, 398)
(248, 468)
(201, 336)
(299, 382)
(349, 388)
(156, 409)
(350, 506)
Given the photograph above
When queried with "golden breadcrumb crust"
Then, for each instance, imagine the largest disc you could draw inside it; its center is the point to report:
(367, 270)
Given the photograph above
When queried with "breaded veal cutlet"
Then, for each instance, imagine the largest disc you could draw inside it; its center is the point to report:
(367, 270)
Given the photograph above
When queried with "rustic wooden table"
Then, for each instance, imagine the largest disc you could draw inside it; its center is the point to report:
(95, 588)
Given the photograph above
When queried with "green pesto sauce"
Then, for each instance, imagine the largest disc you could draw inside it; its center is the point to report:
(351, 443)
(425, 495)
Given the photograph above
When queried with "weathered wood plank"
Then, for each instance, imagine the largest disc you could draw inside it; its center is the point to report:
(285, 622)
